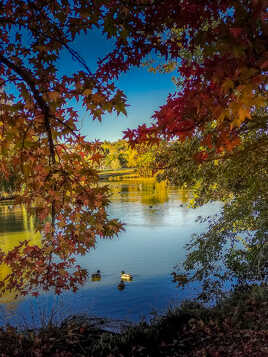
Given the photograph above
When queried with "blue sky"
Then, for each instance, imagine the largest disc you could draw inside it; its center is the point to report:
(145, 91)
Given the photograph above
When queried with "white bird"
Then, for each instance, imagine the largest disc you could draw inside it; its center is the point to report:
(126, 276)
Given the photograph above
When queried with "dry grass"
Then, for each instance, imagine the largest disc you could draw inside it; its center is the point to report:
(237, 327)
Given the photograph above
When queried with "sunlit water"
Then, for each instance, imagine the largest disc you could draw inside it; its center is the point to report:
(158, 224)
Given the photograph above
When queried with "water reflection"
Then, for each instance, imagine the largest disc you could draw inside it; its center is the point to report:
(145, 191)
(158, 224)
(11, 218)
(15, 227)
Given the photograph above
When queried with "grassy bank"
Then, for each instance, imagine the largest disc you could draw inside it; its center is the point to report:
(237, 326)
(118, 174)
(8, 196)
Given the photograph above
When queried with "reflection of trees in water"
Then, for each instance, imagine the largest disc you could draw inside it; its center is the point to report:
(16, 227)
(154, 193)
(30, 264)
(11, 219)
(124, 190)
(10, 239)
(146, 191)
(184, 195)
(7, 297)
(157, 194)
(151, 194)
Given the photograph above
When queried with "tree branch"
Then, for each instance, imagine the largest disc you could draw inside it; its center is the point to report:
(28, 78)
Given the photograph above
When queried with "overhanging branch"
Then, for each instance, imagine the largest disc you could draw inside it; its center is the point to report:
(29, 80)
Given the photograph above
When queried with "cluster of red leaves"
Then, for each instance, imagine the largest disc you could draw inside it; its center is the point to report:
(221, 86)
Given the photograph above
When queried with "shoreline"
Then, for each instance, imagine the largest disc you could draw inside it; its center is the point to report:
(237, 326)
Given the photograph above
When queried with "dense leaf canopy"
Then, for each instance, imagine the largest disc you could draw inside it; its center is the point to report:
(219, 51)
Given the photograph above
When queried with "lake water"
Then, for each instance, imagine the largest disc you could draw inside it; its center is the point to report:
(158, 224)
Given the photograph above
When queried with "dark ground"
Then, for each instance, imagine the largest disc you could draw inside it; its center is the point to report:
(238, 326)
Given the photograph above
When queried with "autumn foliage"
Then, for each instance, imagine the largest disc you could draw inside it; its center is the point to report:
(218, 49)
(40, 142)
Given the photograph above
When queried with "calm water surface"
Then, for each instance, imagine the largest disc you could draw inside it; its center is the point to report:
(158, 224)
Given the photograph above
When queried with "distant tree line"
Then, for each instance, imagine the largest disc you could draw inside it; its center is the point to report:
(114, 156)
(119, 155)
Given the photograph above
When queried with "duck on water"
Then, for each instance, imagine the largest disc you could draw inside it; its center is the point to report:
(126, 276)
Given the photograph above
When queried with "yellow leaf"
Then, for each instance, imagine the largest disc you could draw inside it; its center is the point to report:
(87, 91)
(53, 95)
